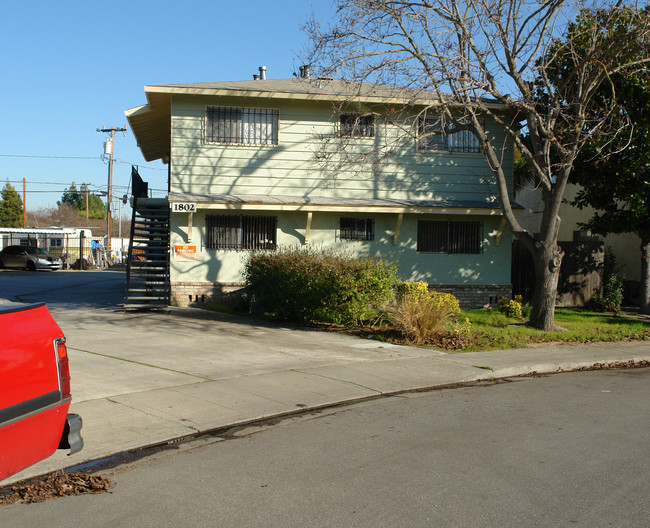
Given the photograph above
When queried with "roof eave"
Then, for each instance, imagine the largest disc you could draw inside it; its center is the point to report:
(151, 126)
(416, 100)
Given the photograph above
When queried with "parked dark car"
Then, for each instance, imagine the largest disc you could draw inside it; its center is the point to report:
(29, 258)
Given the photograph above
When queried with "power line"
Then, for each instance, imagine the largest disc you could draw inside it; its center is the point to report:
(52, 183)
(116, 160)
(48, 157)
(66, 186)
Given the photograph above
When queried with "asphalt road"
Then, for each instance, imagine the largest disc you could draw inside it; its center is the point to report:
(564, 450)
(63, 289)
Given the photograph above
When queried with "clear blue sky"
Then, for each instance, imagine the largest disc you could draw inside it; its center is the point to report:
(70, 67)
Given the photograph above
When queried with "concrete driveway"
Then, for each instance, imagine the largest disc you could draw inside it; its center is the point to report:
(187, 341)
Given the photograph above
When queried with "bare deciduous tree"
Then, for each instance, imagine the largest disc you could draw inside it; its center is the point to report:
(469, 55)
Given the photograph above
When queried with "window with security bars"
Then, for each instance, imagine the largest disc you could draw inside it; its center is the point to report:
(431, 137)
(449, 236)
(238, 232)
(357, 125)
(357, 229)
(245, 126)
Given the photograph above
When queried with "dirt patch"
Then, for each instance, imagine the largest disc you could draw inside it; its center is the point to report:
(55, 485)
(616, 365)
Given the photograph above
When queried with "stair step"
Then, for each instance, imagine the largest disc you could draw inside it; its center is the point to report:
(157, 225)
(161, 229)
(144, 258)
(148, 306)
(151, 220)
(149, 264)
(147, 298)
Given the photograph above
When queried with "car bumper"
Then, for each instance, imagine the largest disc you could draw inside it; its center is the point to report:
(49, 266)
(71, 438)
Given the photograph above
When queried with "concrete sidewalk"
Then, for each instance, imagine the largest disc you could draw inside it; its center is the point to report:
(145, 379)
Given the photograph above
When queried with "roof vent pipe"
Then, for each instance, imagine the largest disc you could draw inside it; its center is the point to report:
(256, 77)
(305, 71)
(262, 73)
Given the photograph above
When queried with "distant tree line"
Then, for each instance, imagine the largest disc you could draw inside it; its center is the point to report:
(83, 201)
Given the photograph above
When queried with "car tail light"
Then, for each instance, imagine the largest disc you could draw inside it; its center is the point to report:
(64, 367)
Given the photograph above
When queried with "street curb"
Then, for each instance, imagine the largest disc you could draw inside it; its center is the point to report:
(489, 375)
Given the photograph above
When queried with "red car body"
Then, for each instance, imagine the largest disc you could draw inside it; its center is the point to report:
(34, 389)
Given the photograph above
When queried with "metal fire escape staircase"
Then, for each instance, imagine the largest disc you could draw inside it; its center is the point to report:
(147, 271)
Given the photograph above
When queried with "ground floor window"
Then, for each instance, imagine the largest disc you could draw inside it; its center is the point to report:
(449, 236)
(237, 232)
(357, 229)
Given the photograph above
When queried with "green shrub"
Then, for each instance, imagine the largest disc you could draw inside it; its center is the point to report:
(511, 307)
(408, 288)
(422, 317)
(303, 284)
(610, 298)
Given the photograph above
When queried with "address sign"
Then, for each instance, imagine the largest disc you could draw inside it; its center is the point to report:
(184, 207)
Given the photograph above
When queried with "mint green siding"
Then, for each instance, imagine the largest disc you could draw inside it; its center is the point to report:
(491, 266)
(290, 168)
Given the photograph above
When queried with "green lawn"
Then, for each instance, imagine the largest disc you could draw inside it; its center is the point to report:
(492, 330)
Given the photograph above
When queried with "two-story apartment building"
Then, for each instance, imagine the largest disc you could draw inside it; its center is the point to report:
(266, 163)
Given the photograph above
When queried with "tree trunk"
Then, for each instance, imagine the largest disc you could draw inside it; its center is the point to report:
(548, 259)
(645, 276)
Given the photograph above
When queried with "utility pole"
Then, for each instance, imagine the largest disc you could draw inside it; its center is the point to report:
(108, 149)
(24, 202)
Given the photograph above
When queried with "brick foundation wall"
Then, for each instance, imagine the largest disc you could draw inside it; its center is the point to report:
(475, 296)
(197, 293)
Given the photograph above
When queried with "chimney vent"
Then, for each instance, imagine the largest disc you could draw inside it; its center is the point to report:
(256, 77)
(262, 73)
(305, 72)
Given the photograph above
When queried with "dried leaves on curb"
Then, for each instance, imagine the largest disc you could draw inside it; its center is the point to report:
(56, 485)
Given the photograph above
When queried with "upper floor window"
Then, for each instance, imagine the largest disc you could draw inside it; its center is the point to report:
(244, 126)
(431, 137)
(239, 232)
(357, 229)
(449, 236)
(357, 125)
